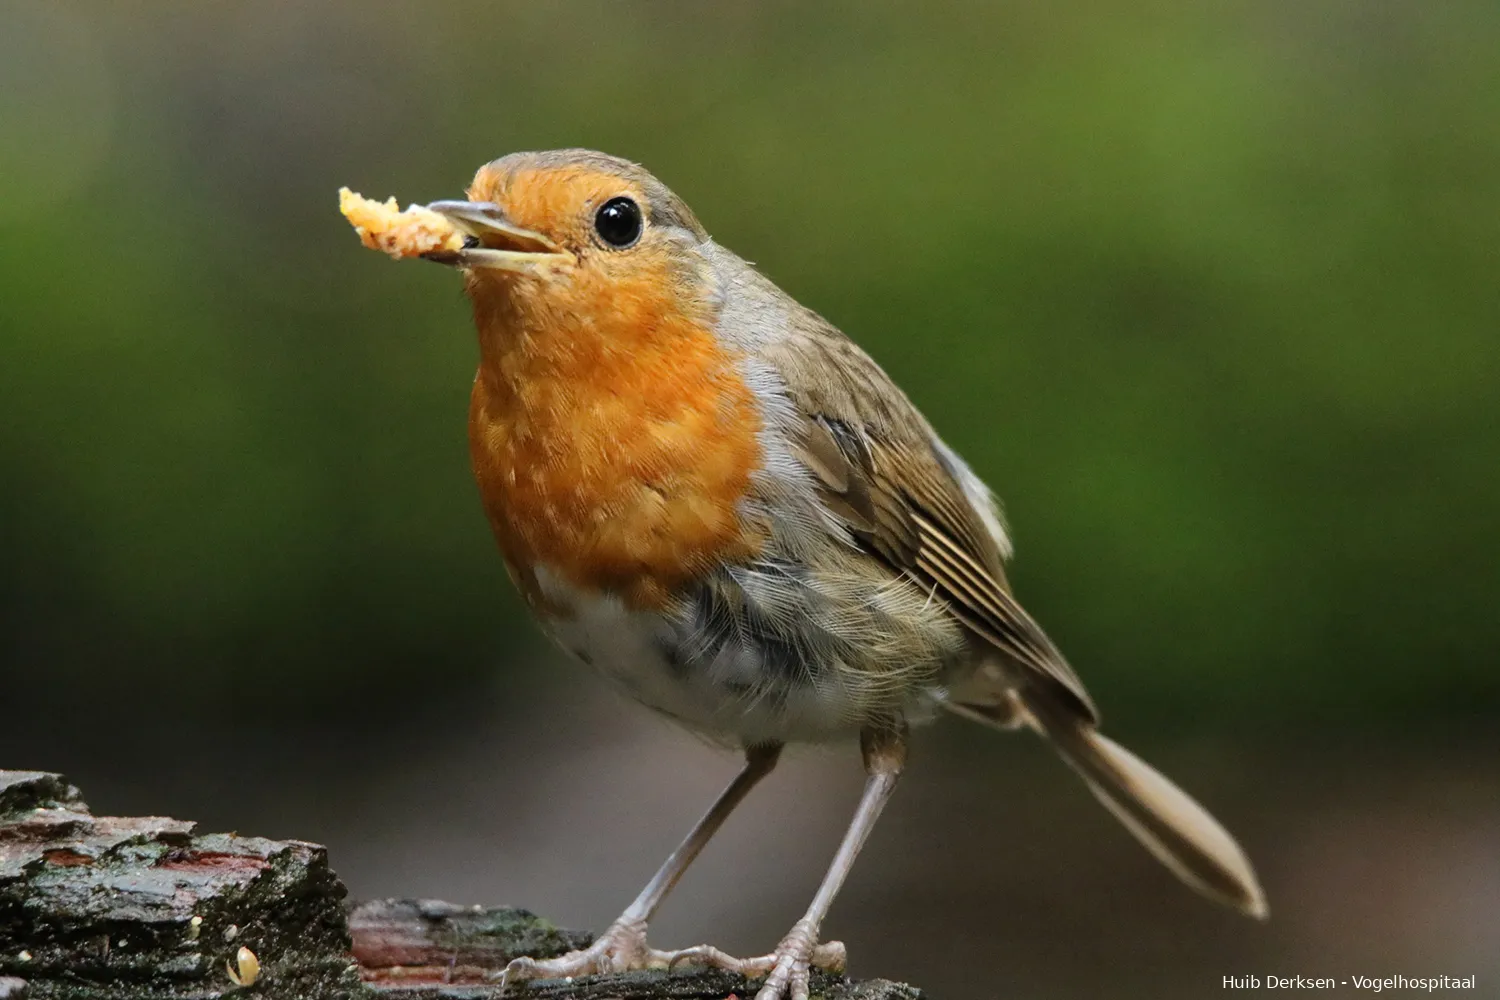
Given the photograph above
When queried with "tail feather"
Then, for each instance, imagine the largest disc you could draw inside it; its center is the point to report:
(1176, 830)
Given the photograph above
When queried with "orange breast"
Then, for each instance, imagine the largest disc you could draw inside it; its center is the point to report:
(612, 439)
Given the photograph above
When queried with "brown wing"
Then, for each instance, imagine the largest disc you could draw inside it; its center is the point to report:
(879, 469)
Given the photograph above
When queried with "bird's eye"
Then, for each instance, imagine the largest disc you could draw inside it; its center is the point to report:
(618, 222)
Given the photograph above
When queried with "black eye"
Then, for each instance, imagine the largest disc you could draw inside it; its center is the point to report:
(618, 222)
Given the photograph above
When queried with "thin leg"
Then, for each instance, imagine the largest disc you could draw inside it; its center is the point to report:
(623, 946)
(759, 762)
(787, 968)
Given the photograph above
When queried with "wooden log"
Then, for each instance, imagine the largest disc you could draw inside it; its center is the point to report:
(110, 908)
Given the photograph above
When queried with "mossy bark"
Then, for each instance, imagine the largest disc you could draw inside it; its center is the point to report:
(108, 908)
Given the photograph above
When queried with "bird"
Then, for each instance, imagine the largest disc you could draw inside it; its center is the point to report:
(718, 501)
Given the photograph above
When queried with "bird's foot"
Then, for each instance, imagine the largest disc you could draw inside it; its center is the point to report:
(787, 969)
(622, 948)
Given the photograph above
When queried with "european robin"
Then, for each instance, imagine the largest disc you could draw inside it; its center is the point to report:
(712, 496)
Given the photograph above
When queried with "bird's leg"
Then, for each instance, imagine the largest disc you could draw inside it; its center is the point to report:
(623, 946)
(787, 968)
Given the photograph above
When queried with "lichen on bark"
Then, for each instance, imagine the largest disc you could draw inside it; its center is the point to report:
(146, 908)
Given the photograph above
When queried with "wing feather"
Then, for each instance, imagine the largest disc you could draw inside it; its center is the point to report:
(879, 468)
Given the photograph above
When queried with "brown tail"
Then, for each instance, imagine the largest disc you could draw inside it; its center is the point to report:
(1178, 831)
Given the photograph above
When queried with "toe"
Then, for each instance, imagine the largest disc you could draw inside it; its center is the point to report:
(799, 984)
(830, 956)
(516, 971)
(793, 960)
(619, 949)
(771, 990)
(708, 955)
(572, 964)
(788, 981)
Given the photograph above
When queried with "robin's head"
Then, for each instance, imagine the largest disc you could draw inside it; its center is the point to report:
(574, 230)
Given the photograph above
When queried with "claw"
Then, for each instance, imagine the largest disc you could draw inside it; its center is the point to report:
(793, 960)
(623, 948)
(787, 970)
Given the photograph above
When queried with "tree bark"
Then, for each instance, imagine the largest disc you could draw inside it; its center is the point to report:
(109, 908)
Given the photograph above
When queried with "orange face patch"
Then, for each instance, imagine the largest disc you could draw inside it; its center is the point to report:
(612, 435)
(552, 200)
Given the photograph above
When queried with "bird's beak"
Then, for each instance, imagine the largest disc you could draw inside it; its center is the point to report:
(494, 242)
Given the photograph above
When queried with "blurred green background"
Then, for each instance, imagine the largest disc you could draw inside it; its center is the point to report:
(1209, 293)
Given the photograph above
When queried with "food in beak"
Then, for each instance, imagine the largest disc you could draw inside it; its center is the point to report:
(383, 226)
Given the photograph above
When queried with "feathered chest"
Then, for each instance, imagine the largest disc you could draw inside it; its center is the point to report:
(615, 454)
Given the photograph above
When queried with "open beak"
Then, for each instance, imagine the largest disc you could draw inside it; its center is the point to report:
(494, 242)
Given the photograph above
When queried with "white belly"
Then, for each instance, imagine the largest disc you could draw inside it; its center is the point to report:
(731, 696)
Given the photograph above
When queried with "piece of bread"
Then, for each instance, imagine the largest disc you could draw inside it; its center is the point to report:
(383, 226)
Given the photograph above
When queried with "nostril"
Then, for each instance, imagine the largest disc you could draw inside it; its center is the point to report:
(470, 242)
